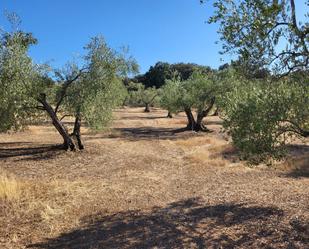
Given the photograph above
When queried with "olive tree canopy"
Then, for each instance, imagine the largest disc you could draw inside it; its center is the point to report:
(264, 32)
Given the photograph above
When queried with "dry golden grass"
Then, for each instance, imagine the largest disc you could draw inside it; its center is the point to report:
(200, 157)
(50, 205)
(195, 141)
(10, 188)
(299, 165)
(204, 150)
(142, 166)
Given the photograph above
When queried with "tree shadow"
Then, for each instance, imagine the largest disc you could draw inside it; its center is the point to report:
(297, 149)
(300, 173)
(147, 133)
(26, 152)
(183, 224)
(8, 144)
(143, 117)
(297, 157)
(229, 153)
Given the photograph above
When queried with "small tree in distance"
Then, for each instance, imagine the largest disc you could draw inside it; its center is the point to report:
(198, 92)
(140, 95)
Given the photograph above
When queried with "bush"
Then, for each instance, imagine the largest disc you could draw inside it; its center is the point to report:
(262, 117)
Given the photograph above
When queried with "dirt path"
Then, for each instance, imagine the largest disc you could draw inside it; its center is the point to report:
(147, 184)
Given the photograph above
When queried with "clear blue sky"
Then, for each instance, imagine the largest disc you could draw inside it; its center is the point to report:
(155, 30)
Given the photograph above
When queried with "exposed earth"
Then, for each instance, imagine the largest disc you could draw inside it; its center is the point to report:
(146, 183)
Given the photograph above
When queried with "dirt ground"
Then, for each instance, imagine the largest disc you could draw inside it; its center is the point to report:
(147, 184)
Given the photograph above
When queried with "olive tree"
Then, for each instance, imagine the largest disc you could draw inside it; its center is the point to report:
(90, 91)
(139, 95)
(264, 33)
(20, 80)
(149, 96)
(198, 92)
(170, 97)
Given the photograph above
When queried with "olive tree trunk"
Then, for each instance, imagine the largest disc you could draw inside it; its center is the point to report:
(191, 121)
(199, 125)
(67, 141)
(147, 108)
(201, 114)
(76, 131)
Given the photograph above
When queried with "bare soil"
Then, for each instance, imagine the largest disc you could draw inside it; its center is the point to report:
(146, 183)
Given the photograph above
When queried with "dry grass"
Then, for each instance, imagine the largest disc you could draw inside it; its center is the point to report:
(143, 185)
(204, 150)
(10, 188)
(298, 166)
(52, 206)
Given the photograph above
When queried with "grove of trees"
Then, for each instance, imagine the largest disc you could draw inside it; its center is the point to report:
(162, 71)
(262, 96)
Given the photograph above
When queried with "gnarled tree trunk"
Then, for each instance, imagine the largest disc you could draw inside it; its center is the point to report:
(147, 109)
(191, 121)
(67, 141)
(76, 131)
(199, 126)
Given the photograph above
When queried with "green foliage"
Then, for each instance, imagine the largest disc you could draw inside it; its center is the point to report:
(133, 94)
(263, 33)
(262, 116)
(149, 95)
(20, 80)
(172, 93)
(185, 70)
(158, 74)
(196, 92)
(90, 92)
(139, 95)
(99, 89)
(200, 89)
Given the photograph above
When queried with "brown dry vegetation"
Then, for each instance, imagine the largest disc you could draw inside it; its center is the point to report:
(147, 184)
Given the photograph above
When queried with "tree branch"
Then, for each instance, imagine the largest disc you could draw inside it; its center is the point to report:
(66, 86)
(64, 116)
(295, 128)
(276, 26)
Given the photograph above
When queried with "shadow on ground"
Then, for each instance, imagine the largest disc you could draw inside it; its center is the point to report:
(147, 133)
(228, 152)
(25, 151)
(296, 161)
(185, 224)
(143, 117)
(151, 132)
